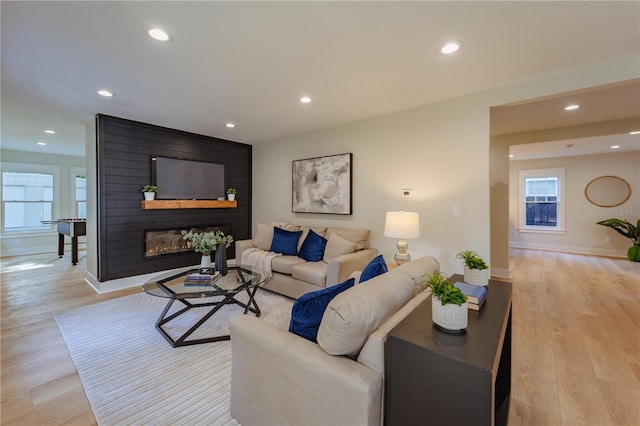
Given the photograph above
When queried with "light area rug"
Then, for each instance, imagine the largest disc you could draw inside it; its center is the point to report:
(132, 375)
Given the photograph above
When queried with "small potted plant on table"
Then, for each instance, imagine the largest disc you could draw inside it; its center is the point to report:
(449, 309)
(205, 243)
(149, 191)
(231, 194)
(476, 271)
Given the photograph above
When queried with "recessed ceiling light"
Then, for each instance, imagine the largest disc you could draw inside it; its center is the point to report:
(305, 99)
(571, 107)
(51, 132)
(511, 155)
(635, 132)
(42, 143)
(105, 93)
(450, 47)
(158, 34)
(230, 125)
(615, 146)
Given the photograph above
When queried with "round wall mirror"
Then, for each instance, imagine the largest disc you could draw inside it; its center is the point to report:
(607, 191)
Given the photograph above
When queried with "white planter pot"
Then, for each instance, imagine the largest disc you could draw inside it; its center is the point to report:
(149, 196)
(231, 197)
(476, 276)
(205, 261)
(450, 316)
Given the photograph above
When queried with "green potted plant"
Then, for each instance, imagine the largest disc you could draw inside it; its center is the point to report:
(231, 193)
(205, 243)
(449, 309)
(629, 230)
(476, 271)
(149, 191)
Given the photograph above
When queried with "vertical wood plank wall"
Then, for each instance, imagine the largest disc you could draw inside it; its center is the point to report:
(124, 151)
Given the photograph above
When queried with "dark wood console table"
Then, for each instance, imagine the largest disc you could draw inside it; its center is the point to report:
(434, 377)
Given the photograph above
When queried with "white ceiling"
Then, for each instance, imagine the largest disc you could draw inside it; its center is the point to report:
(249, 62)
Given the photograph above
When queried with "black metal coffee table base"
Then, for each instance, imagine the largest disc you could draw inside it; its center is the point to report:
(251, 306)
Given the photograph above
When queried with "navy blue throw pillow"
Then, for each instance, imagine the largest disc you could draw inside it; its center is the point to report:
(307, 311)
(376, 267)
(312, 248)
(285, 242)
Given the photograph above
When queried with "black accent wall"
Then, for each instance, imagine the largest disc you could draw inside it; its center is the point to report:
(124, 151)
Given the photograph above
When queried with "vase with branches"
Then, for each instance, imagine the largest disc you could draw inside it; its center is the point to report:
(207, 242)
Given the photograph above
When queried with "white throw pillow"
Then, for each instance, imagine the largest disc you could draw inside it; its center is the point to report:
(337, 246)
(263, 237)
(418, 269)
(359, 236)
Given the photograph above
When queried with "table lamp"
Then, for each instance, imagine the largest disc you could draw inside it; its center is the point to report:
(402, 225)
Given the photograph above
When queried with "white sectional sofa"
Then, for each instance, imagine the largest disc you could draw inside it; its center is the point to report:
(347, 250)
(280, 378)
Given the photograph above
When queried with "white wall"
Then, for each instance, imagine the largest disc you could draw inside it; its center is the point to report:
(441, 151)
(92, 201)
(14, 244)
(582, 235)
(418, 149)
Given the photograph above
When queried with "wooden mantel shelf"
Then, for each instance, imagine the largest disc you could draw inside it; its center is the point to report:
(188, 204)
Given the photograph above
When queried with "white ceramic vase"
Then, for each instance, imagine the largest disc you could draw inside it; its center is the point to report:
(476, 276)
(205, 261)
(149, 196)
(231, 197)
(450, 316)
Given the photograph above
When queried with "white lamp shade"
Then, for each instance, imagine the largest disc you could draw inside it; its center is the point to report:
(402, 224)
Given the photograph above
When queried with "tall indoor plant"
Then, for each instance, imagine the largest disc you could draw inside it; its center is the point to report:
(629, 230)
(449, 308)
(476, 271)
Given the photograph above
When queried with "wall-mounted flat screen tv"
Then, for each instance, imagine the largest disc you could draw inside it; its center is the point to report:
(179, 179)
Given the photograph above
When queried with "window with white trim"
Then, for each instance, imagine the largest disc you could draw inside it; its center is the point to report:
(27, 201)
(541, 200)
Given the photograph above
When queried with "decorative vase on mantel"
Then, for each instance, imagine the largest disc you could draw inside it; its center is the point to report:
(221, 260)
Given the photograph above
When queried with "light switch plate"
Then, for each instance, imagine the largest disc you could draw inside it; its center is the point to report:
(455, 211)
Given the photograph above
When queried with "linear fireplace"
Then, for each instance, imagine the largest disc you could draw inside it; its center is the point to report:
(169, 241)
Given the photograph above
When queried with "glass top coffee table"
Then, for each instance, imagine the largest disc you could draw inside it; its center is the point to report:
(172, 286)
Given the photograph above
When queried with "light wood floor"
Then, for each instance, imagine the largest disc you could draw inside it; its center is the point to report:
(576, 340)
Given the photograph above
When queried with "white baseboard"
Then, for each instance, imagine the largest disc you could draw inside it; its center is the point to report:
(501, 273)
(127, 282)
(569, 249)
(134, 281)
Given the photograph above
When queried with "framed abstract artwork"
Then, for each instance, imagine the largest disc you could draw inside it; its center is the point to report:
(322, 184)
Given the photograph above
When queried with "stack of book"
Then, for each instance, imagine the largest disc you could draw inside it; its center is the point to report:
(476, 294)
(198, 279)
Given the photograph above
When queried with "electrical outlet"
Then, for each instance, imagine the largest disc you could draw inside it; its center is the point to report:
(455, 211)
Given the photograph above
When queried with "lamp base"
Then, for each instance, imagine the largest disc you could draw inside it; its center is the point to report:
(401, 255)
